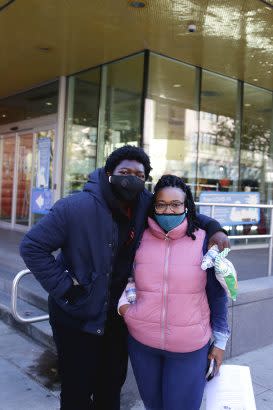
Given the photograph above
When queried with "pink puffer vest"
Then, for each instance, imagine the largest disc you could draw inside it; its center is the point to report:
(171, 311)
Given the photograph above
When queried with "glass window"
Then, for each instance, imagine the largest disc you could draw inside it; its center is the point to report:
(81, 129)
(256, 165)
(218, 149)
(256, 142)
(34, 103)
(170, 129)
(120, 106)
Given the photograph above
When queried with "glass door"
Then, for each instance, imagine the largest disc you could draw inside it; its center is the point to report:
(7, 166)
(28, 176)
(24, 178)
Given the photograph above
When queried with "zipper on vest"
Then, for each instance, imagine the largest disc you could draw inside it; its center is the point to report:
(165, 292)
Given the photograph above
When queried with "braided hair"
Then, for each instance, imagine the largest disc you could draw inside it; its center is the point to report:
(176, 182)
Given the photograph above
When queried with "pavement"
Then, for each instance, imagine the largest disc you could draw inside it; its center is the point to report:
(29, 380)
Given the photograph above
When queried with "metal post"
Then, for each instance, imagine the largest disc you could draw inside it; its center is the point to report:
(212, 211)
(269, 273)
(102, 116)
(60, 139)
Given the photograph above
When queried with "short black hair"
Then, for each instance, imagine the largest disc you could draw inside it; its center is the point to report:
(128, 152)
(176, 182)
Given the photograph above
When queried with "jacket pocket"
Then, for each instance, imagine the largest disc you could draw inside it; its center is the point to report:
(91, 303)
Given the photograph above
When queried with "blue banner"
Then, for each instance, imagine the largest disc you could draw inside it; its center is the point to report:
(232, 215)
(43, 163)
(41, 200)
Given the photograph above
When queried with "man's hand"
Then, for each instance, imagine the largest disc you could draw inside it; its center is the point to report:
(123, 309)
(220, 239)
(74, 293)
(218, 355)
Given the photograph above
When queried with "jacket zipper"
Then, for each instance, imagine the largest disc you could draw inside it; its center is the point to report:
(165, 292)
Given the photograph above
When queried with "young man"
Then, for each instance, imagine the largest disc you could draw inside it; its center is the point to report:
(98, 231)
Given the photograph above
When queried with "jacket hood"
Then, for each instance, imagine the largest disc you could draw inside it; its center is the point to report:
(99, 186)
(93, 184)
(175, 233)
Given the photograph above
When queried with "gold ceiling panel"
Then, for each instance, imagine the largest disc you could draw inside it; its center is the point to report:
(41, 40)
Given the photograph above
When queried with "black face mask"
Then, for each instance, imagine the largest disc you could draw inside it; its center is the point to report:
(126, 187)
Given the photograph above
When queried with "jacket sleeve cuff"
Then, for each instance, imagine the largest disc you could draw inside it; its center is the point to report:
(122, 301)
(61, 289)
(220, 339)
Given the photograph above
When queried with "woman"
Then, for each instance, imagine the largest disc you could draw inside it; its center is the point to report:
(179, 306)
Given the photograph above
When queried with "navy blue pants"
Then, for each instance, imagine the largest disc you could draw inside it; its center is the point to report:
(167, 380)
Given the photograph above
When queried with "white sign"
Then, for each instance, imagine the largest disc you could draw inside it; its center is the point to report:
(231, 389)
(232, 215)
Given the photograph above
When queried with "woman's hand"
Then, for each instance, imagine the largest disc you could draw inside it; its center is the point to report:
(123, 309)
(220, 239)
(218, 355)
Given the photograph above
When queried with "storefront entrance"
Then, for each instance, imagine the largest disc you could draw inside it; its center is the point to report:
(27, 173)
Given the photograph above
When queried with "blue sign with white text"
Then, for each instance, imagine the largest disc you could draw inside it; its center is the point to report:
(43, 163)
(232, 215)
(41, 201)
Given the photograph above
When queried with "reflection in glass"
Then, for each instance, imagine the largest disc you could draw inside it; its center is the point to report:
(24, 178)
(256, 165)
(256, 142)
(7, 155)
(34, 103)
(170, 128)
(121, 96)
(81, 130)
(218, 152)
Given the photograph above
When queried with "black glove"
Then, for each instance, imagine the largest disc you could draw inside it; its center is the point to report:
(74, 293)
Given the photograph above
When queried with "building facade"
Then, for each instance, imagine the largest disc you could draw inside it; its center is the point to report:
(212, 129)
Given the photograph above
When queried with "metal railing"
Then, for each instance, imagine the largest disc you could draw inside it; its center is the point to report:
(267, 236)
(14, 298)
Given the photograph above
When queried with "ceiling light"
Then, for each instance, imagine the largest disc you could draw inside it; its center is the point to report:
(137, 4)
(48, 103)
(247, 105)
(3, 115)
(177, 85)
(162, 96)
(255, 79)
(269, 72)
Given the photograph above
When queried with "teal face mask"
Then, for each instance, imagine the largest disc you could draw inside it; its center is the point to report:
(169, 221)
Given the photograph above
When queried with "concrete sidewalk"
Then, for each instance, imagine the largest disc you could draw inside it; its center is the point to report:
(28, 376)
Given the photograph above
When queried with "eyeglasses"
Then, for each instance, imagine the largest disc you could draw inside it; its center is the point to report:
(175, 206)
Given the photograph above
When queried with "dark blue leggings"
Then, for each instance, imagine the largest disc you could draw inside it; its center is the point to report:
(167, 380)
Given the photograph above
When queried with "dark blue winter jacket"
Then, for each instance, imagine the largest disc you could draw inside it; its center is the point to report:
(83, 227)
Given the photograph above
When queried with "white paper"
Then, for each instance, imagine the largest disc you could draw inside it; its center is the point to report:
(231, 389)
